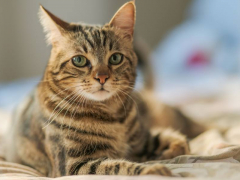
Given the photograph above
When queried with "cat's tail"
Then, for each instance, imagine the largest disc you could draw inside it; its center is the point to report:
(187, 125)
(165, 116)
(175, 118)
(144, 63)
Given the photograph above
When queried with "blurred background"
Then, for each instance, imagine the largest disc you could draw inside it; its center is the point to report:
(23, 51)
(195, 46)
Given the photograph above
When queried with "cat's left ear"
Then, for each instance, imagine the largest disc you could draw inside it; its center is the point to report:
(53, 26)
(125, 18)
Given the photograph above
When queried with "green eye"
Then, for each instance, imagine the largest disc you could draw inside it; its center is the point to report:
(79, 61)
(116, 59)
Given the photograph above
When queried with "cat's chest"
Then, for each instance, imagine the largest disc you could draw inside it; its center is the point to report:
(88, 137)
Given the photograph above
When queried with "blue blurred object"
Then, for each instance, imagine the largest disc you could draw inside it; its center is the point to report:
(12, 93)
(208, 41)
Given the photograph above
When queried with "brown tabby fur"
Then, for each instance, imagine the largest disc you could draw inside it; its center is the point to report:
(60, 129)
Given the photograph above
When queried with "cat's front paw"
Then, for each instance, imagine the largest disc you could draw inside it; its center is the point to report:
(171, 144)
(156, 169)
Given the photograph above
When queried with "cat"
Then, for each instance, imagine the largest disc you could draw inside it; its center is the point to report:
(85, 117)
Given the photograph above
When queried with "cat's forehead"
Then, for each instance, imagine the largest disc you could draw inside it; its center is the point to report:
(77, 27)
(95, 37)
(95, 32)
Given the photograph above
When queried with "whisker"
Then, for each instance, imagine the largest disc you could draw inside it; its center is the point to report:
(135, 90)
(74, 114)
(52, 114)
(122, 104)
(71, 103)
(66, 104)
(75, 109)
(62, 91)
(50, 121)
(128, 96)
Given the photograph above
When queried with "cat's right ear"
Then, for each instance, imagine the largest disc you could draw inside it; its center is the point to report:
(53, 26)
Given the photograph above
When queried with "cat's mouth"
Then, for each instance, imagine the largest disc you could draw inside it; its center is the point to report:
(101, 90)
(99, 94)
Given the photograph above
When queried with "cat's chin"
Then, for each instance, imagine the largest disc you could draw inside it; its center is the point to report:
(99, 95)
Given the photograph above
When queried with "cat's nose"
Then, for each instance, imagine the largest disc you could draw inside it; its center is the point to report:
(101, 78)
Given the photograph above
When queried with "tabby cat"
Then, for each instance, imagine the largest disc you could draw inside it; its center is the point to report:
(84, 116)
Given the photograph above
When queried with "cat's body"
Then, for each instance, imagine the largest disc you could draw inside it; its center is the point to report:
(96, 130)
(84, 117)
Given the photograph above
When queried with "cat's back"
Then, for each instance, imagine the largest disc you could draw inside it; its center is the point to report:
(21, 133)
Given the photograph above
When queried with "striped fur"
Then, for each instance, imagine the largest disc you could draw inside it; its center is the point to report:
(64, 128)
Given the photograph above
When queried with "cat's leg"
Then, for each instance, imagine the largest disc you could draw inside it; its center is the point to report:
(105, 166)
(158, 144)
(167, 144)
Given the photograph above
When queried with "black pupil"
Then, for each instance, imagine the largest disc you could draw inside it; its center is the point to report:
(115, 57)
(78, 59)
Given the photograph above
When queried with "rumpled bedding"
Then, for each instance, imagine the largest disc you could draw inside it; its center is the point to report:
(215, 153)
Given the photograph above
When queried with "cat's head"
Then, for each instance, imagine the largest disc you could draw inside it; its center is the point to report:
(97, 62)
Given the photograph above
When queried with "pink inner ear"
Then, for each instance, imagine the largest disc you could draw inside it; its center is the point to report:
(125, 18)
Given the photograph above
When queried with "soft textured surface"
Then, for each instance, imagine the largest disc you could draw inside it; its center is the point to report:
(217, 151)
(220, 161)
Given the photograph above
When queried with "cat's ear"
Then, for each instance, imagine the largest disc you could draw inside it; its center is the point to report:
(53, 26)
(125, 18)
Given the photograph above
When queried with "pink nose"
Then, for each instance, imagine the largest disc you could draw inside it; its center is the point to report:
(101, 78)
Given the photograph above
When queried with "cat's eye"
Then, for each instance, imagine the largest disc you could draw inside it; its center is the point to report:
(79, 61)
(116, 59)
